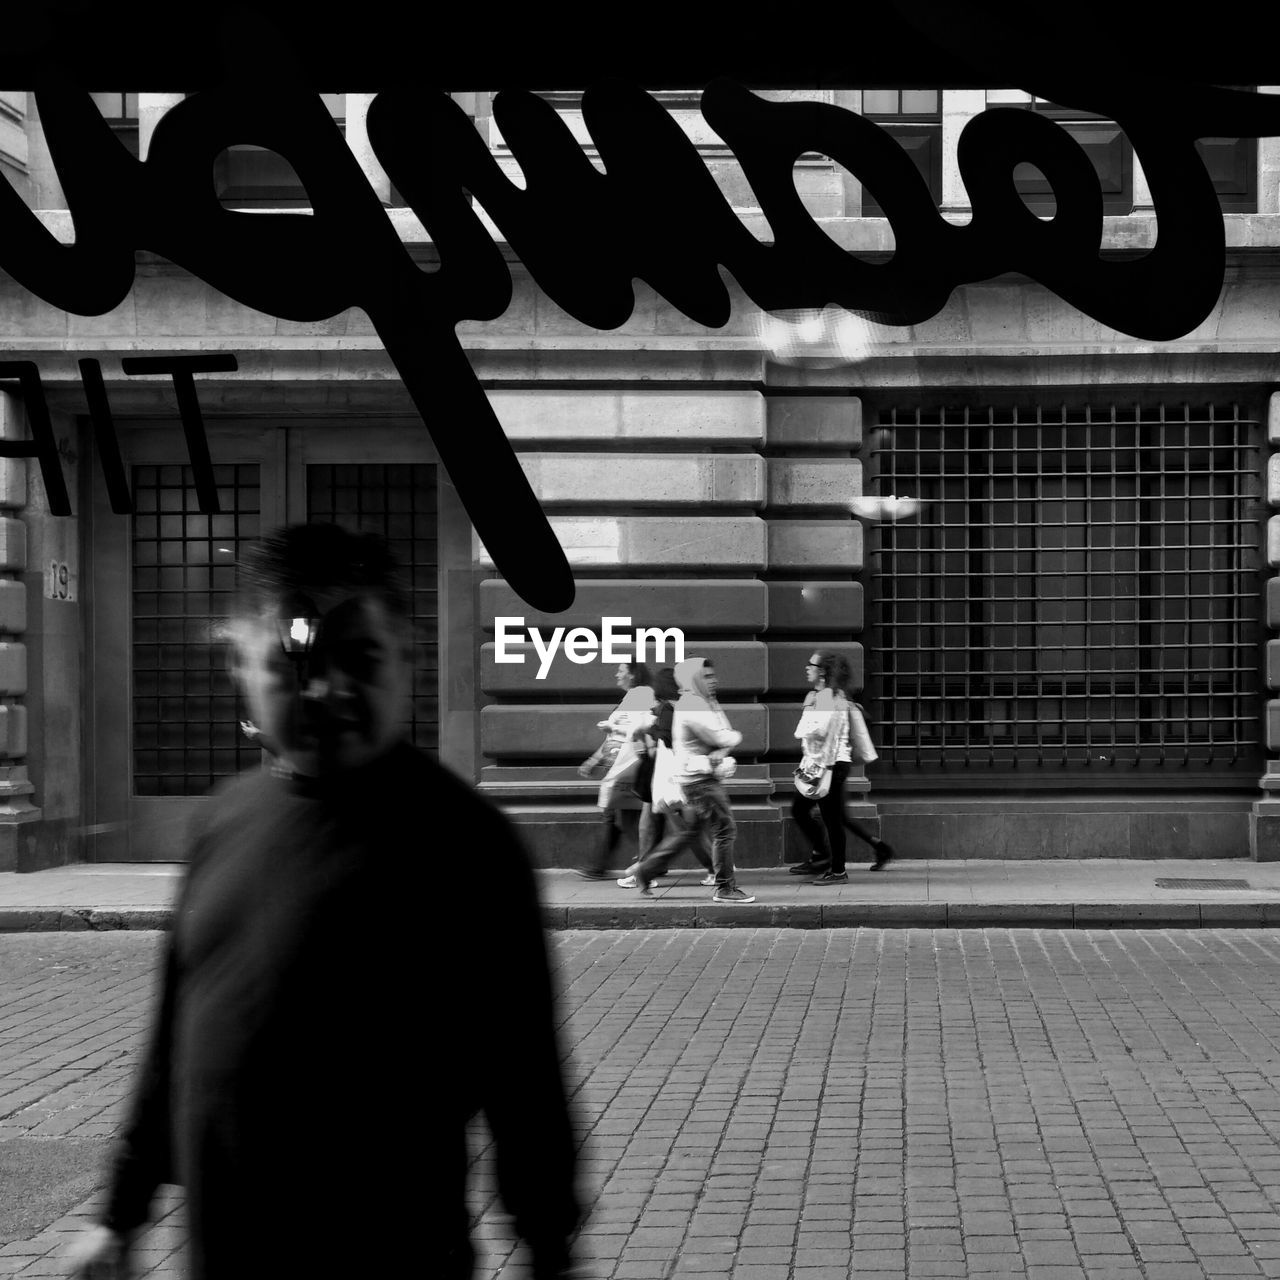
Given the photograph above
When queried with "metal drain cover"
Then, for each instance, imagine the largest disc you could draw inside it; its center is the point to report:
(1173, 882)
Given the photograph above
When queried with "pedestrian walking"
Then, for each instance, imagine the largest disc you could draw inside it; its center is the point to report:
(701, 739)
(831, 729)
(622, 754)
(653, 824)
(284, 1085)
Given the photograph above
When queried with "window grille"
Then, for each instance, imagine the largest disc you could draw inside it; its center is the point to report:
(1079, 591)
(186, 732)
(398, 503)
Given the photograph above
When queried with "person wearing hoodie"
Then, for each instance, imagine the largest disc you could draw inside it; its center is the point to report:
(653, 824)
(701, 738)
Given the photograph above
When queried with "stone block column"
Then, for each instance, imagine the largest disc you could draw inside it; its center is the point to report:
(959, 106)
(850, 100)
(1269, 166)
(357, 133)
(151, 106)
(16, 805)
(1264, 820)
(815, 551)
(1142, 203)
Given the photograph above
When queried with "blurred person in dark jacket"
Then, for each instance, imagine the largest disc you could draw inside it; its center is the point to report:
(315, 1060)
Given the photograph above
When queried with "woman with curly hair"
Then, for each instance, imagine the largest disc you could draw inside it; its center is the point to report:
(826, 731)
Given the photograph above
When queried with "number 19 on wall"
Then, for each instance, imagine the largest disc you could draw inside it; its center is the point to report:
(58, 584)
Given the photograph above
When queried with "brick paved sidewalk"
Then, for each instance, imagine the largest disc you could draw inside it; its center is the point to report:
(910, 893)
(765, 1104)
(880, 1105)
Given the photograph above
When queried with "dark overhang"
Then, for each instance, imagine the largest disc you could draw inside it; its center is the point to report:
(160, 46)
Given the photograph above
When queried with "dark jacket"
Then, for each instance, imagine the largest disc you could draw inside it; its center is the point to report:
(319, 1049)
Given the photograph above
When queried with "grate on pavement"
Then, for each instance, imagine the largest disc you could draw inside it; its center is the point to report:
(1174, 882)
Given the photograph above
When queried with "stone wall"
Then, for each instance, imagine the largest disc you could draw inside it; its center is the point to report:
(693, 484)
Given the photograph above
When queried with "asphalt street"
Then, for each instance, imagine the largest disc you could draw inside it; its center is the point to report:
(795, 1104)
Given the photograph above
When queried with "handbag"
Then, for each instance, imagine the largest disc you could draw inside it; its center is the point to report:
(812, 780)
(603, 757)
(667, 794)
(616, 786)
(812, 777)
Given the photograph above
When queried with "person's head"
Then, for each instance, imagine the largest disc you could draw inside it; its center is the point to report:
(665, 688)
(631, 675)
(697, 675)
(827, 670)
(322, 646)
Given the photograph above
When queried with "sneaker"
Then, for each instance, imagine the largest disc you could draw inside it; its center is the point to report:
(832, 877)
(884, 853)
(708, 882)
(731, 897)
(627, 882)
(806, 868)
(587, 874)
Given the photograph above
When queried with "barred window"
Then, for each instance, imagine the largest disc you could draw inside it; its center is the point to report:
(186, 733)
(1079, 592)
(399, 504)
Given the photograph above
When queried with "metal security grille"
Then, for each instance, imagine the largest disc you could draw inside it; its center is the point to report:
(185, 727)
(1078, 589)
(1198, 882)
(397, 502)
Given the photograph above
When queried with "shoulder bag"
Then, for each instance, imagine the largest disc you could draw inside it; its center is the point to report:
(860, 745)
(665, 789)
(812, 780)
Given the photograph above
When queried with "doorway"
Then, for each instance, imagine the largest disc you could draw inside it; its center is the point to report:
(163, 724)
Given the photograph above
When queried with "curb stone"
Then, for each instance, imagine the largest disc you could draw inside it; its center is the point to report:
(766, 915)
(908, 915)
(81, 919)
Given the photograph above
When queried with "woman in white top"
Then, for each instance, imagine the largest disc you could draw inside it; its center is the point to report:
(634, 680)
(829, 746)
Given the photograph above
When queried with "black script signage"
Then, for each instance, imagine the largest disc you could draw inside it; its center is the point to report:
(43, 445)
(655, 215)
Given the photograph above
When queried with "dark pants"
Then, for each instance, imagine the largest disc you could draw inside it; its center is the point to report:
(826, 836)
(706, 810)
(653, 826)
(612, 829)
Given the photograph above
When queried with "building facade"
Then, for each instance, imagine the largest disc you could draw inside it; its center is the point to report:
(1064, 652)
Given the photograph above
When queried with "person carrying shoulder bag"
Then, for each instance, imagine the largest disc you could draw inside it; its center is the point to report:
(655, 734)
(830, 735)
